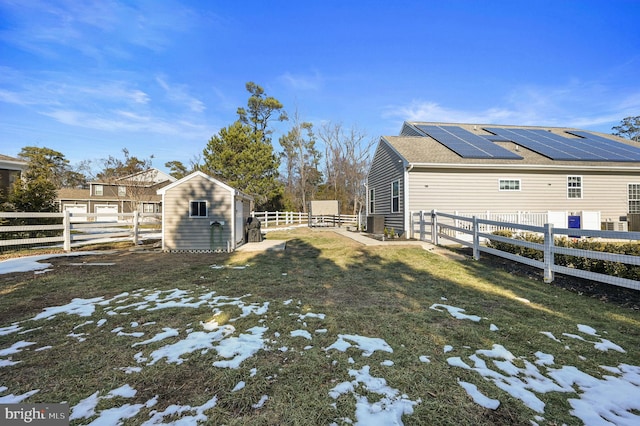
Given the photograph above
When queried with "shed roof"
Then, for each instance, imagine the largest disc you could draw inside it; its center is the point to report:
(163, 190)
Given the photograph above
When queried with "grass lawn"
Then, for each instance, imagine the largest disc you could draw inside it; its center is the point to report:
(300, 325)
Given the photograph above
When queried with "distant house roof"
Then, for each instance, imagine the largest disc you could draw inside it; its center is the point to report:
(419, 149)
(146, 178)
(11, 163)
(164, 189)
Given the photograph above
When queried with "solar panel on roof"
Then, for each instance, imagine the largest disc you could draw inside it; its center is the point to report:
(622, 151)
(467, 144)
(558, 147)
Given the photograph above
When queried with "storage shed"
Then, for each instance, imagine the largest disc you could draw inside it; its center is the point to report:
(203, 214)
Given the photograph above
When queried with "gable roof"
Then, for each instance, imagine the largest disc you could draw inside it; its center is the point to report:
(11, 163)
(419, 150)
(200, 174)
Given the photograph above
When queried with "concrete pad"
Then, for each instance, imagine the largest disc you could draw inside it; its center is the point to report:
(264, 245)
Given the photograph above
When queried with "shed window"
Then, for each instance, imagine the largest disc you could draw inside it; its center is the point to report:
(122, 191)
(98, 190)
(395, 196)
(509, 185)
(372, 201)
(198, 208)
(574, 186)
(634, 198)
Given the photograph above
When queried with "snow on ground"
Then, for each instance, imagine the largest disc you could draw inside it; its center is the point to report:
(607, 399)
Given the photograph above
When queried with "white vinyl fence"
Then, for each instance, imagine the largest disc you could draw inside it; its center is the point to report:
(470, 231)
(278, 219)
(32, 230)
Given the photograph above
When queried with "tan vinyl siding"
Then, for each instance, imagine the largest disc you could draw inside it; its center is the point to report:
(194, 233)
(451, 190)
(387, 167)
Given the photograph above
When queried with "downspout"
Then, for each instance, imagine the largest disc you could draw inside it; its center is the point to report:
(233, 221)
(407, 213)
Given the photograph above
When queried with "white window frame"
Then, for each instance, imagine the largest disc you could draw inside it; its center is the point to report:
(122, 191)
(395, 197)
(372, 200)
(633, 197)
(507, 187)
(98, 190)
(151, 208)
(206, 208)
(575, 185)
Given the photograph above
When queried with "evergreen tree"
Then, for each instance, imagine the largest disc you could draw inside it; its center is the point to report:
(241, 154)
(629, 128)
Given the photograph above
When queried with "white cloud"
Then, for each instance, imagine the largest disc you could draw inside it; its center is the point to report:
(576, 104)
(302, 82)
(179, 93)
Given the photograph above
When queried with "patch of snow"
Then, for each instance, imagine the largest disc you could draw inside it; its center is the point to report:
(493, 327)
(15, 399)
(239, 386)
(454, 312)
(301, 333)
(368, 345)
(260, 403)
(478, 397)
(424, 358)
(15, 348)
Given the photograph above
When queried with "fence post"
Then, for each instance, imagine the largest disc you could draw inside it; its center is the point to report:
(476, 239)
(434, 227)
(422, 236)
(135, 227)
(66, 232)
(548, 252)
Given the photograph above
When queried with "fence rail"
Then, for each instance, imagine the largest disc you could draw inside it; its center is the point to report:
(471, 231)
(29, 230)
(276, 219)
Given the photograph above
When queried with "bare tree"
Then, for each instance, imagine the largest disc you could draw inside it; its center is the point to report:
(302, 160)
(347, 158)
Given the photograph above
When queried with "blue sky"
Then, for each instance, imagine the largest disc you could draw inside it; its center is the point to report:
(160, 77)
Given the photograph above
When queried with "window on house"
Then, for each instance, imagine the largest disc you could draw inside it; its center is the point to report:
(372, 201)
(395, 196)
(574, 186)
(509, 185)
(198, 208)
(148, 208)
(634, 198)
(122, 191)
(98, 190)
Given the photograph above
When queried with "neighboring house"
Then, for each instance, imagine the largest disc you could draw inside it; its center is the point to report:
(477, 168)
(10, 170)
(201, 213)
(137, 192)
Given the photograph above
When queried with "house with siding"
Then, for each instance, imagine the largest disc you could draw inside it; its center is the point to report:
(461, 167)
(10, 170)
(136, 192)
(203, 214)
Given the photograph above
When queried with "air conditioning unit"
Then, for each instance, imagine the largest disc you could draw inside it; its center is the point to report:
(615, 226)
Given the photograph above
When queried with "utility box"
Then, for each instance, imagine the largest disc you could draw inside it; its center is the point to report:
(633, 220)
(375, 224)
(574, 223)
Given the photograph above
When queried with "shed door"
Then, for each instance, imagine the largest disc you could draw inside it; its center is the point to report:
(239, 221)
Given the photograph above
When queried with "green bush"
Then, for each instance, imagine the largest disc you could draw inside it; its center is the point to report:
(607, 267)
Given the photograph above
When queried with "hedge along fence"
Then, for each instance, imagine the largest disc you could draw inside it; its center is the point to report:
(562, 250)
(600, 265)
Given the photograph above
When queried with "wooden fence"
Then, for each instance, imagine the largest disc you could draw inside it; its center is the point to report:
(471, 231)
(29, 230)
